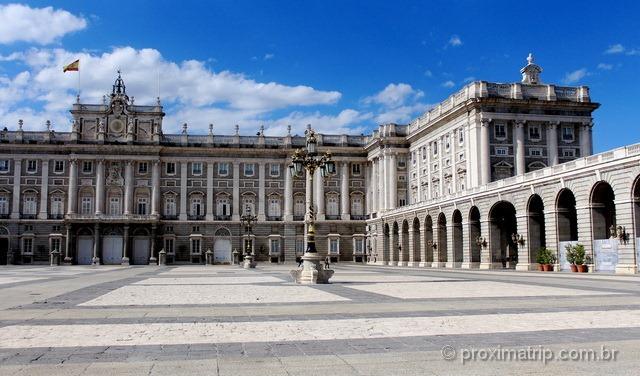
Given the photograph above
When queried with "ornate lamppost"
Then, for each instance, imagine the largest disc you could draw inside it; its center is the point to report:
(310, 160)
(247, 221)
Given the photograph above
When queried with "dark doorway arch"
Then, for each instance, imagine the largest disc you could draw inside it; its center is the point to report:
(567, 219)
(442, 239)
(428, 240)
(603, 210)
(535, 222)
(457, 238)
(502, 218)
(416, 240)
(404, 245)
(474, 233)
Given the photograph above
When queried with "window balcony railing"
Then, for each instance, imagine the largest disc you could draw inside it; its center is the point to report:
(171, 217)
(274, 218)
(56, 216)
(298, 217)
(198, 217)
(28, 216)
(358, 217)
(222, 217)
(4, 216)
(331, 217)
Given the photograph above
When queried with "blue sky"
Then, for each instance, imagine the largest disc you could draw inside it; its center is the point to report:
(343, 66)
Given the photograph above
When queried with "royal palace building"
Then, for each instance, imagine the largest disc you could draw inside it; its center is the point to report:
(483, 180)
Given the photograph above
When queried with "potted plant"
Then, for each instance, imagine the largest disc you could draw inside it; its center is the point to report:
(571, 257)
(580, 258)
(546, 258)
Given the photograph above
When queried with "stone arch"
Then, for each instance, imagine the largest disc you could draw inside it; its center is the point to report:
(140, 231)
(386, 243)
(222, 232)
(567, 217)
(502, 225)
(536, 226)
(603, 210)
(404, 246)
(441, 247)
(474, 233)
(456, 233)
(416, 240)
(427, 238)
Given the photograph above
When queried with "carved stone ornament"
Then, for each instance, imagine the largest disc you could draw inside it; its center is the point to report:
(115, 174)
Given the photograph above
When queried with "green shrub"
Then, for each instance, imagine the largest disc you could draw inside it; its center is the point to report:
(546, 256)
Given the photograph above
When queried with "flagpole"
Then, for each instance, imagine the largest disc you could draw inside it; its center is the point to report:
(78, 82)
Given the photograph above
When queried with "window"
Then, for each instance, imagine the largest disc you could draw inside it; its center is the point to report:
(535, 152)
(334, 246)
(274, 247)
(168, 229)
(142, 205)
(222, 206)
(402, 202)
(114, 206)
(274, 206)
(461, 136)
(195, 246)
(143, 167)
(87, 167)
(413, 158)
(196, 206)
(196, 168)
(568, 153)
(435, 148)
(223, 169)
(170, 168)
(169, 245)
(274, 169)
(423, 150)
(502, 151)
(57, 205)
(249, 169)
(435, 167)
(56, 244)
(446, 143)
(332, 205)
(299, 247)
(356, 205)
(170, 205)
(500, 131)
(4, 165)
(355, 168)
(195, 229)
(534, 132)
(461, 156)
(28, 228)
(32, 166)
(29, 207)
(58, 167)
(567, 134)
(299, 206)
(358, 246)
(4, 205)
(86, 206)
(402, 161)
(248, 205)
(27, 245)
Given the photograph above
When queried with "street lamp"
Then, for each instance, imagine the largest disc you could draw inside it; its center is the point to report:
(309, 160)
(247, 221)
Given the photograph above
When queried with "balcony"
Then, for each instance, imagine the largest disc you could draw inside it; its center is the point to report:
(222, 217)
(274, 218)
(56, 216)
(4, 216)
(172, 217)
(358, 217)
(28, 216)
(331, 217)
(198, 217)
(298, 217)
(113, 217)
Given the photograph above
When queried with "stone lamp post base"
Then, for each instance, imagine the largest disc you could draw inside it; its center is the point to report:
(312, 271)
(248, 262)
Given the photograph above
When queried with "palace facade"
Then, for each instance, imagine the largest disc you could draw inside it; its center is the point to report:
(484, 179)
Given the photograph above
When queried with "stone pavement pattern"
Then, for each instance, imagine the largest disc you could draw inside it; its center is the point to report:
(223, 320)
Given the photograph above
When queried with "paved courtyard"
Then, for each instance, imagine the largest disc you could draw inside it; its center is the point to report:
(223, 320)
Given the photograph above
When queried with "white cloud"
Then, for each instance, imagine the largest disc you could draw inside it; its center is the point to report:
(428, 73)
(455, 41)
(394, 95)
(469, 79)
(615, 49)
(633, 52)
(21, 23)
(575, 76)
(448, 84)
(268, 56)
(605, 66)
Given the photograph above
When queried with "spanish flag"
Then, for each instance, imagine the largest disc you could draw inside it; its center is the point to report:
(74, 67)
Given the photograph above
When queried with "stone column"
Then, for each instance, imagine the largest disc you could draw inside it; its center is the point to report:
(441, 167)
(368, 194)
(519, 146)
(524, 259)
(374, 182)
(236, 210)
(344, 192)
(550, 235)
(309, 199)
(128, 188)
(486, 261)
(155, 188)
(552, 142)
(450, 245)
(585, 139)
(453, 141)
(183, 192)
(401, 244)
(382, 192)
(429, 180)
(419, 175)
(17, 173)
(96, 244)
(393, 181)
(209, 208)
(423, 246)
(467, 156)
(466, 245)
(261, 192)
(44, 190)
(72, 195)
(436, 252)
(125, 247)
(390, 258)
(410, 240)
(485, 152)
(319, 195)
(626, 250)
(288, 196)
(152, 259)
(100, 185)
(585, 237)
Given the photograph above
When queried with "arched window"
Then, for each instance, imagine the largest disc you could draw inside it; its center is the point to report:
(223, 208)
(197, 207)
(248, 205)
(30, 205)
(299, 206)
(57, 205)
(356, 205)
(333, 207)
(170, 205)
(4, 204)
(274, 206)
